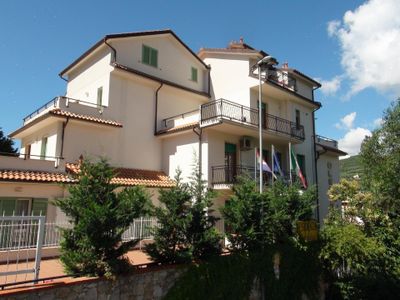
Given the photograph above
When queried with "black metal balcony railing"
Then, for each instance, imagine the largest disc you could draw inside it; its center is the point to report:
(225, 109)
(283, 79)
(229, 174)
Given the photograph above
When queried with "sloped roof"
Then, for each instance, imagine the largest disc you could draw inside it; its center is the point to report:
(127, 35)
(124, 177)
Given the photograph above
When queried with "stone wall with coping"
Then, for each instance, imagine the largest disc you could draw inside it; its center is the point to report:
(149, 284)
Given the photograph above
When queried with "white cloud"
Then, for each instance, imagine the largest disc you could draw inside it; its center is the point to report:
(347, 121)
(351, 142)
(369, 40)
(377, 122)
(330, 87)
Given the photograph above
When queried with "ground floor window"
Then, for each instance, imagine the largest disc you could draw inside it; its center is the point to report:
(13, 206)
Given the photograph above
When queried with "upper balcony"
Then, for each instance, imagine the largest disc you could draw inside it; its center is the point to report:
(326, 141)
(29, 162)
(66, 104)
(225, 111)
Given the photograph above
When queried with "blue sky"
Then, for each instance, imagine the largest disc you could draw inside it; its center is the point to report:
(343, 50)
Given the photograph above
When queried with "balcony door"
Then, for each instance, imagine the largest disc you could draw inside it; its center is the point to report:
(230, 162)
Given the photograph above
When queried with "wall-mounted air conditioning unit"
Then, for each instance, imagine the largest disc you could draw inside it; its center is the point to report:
(246, 143)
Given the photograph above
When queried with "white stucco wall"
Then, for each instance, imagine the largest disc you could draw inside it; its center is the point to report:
(174, 61)
(84, 80)
(304, 89)
(230, 78)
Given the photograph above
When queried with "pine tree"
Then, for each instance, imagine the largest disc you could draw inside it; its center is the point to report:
(170, 243)
(99, 215)
(6, 144)
(202, 234)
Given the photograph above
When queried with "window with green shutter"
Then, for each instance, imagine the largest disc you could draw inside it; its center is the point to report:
(39, 207)
(149, 56)
(194, 74)
(43, 148)
(7, 206)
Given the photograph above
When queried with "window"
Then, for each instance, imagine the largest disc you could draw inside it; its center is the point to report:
(28, 151)
(149, 56)
(264, 112)
(194, 74)
(43, 148)
(100, 96)
(39, 207)
(14, 206)
(297, 119)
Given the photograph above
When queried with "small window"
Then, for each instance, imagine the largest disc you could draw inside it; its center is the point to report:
(28, 151)
(194, 74)
(100, 96)
(149, 56)
(43, 148)
(297, 118)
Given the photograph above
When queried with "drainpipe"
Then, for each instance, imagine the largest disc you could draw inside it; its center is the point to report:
(114, 52)
(315, 159)
(64, 125)
(199, 133)
(156, 109)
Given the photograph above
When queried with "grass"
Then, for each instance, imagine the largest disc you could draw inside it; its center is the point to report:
(350, 167)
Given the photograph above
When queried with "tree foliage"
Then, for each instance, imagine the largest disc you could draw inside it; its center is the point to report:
(6, 144)
(186, 230)
(99, 215)
(258, 220)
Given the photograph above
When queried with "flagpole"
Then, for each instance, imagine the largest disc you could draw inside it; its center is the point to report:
(255, 164)
(272, 162)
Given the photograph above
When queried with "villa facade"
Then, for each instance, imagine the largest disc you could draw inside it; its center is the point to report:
(151, 105)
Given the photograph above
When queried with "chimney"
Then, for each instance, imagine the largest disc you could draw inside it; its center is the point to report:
(241, 40)
(285, 65)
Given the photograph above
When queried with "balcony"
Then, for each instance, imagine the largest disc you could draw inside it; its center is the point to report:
(283, 79)
(28, 162)
(67, 104)
(219, 110)
(326, 141)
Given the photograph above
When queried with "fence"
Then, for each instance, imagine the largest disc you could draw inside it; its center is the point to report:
(19, 234)
(14, 236)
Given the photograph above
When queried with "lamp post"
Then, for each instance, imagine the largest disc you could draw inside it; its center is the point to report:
(266, 61)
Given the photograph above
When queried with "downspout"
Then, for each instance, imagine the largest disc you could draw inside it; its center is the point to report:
(156, 109)
(114, 55)
(209, 79)
(315, 158)
(199, 133)
(64, 125)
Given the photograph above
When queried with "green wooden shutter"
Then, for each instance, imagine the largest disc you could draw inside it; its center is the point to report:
(43, 148)
(194, 74)
(7, 207)
(153, 57)
(230, 148)
(39, 207)
(145, 54)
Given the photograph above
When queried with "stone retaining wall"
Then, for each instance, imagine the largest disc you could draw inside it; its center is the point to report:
(149, 284)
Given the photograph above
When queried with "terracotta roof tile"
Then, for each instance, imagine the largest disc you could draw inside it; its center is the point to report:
(131, 177)
(35, 176)
(178, 128)
(76, 116)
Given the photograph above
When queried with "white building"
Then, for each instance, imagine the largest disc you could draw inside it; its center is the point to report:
(149, 104)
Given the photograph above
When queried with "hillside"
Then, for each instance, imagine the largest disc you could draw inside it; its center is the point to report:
(350, 166)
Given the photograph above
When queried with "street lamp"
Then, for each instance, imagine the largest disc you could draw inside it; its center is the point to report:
(263, 63)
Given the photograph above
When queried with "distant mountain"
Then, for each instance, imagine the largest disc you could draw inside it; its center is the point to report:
(350, 167)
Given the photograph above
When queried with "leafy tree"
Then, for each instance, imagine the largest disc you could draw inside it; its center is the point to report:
(99, 215)
(380, 156)
(170, 243)
(6, 144)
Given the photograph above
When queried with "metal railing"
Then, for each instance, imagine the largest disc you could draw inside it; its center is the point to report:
(283, 79)
(14, 236)
(55, 103)
(229, 174)
(18, 233)
(326, 141)
(225, 109)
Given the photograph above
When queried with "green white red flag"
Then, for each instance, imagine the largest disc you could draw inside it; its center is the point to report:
(294, 166)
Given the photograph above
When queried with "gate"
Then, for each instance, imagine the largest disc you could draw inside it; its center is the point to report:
(19, 237)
